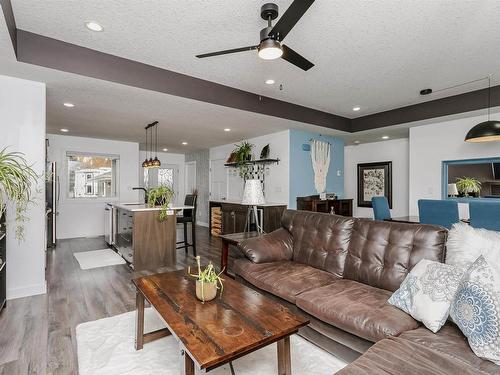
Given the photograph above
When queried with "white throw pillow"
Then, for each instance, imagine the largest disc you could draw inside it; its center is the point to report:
(476, 311)
(465, 244)
(427, 292)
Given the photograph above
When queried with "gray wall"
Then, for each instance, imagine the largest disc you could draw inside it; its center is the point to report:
(202, 176)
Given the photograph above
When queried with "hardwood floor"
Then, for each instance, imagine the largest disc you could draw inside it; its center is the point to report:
(38, 333)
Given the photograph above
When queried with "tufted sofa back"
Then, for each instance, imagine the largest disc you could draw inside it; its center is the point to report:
(319, 240)
(382, 253)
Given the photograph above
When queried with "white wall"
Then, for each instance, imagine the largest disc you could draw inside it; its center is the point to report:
(392, 150)
(22, 124)
(172, 159)
(85, 217)
(442, 140)
(276, 179)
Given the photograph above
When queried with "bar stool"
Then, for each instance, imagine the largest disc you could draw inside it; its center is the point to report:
(188, 216)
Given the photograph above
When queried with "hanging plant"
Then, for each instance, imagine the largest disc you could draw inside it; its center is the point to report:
(161, 196)
(17, 183)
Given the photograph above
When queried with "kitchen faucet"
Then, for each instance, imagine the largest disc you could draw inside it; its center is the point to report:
(145, 193)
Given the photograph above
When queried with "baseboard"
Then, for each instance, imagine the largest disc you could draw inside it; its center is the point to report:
(27, 291)
(202, 224)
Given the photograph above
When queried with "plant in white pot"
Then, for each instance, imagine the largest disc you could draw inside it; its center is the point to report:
(17, 183)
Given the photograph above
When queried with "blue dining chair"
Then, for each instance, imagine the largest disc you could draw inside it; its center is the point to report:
(485, 215)
(438, 212)
(380, 207)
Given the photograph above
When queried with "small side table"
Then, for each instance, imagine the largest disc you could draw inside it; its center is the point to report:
(232, 239)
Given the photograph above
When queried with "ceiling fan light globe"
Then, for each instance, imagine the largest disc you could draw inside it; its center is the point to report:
(270, 50)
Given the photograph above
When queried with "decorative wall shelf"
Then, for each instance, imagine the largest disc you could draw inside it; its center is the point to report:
(253, 162)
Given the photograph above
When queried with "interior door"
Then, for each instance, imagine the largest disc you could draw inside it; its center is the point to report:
(190, 177)
(218, 180)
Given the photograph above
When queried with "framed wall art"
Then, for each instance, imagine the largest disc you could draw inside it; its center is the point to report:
(374, 179)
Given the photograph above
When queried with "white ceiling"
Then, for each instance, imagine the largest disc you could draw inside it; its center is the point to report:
(375, 54)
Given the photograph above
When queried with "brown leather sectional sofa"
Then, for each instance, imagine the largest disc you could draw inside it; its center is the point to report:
(340, 272)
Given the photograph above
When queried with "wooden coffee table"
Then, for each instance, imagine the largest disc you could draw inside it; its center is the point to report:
(216, 332)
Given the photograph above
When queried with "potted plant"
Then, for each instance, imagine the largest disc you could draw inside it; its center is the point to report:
(243, 153)
(160, 196)
(17, 182)
(468, 185)
(207, 282)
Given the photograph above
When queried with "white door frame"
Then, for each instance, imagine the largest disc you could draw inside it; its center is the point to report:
(186, 164)
(211, 161)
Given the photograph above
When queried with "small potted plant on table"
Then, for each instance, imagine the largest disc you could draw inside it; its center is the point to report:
(207, 281)
(468, 186)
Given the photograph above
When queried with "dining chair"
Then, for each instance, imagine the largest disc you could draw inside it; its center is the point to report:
(381, 209)
(438, 212)
(485, 215)
(188, 216)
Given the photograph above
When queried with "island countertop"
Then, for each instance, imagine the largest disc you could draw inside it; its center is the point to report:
(136, 207)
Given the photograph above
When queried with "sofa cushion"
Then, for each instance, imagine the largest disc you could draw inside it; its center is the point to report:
(284, 279)
(382, 253)
(421, 352)
(319, 240)
(356, 308)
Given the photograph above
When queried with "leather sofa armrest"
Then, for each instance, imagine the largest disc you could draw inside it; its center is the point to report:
(271, 247)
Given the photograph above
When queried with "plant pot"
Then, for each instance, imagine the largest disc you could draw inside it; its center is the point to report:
(206, 291)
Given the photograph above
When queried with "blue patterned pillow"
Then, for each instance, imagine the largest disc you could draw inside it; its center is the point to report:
(427, 292)
(476, 310)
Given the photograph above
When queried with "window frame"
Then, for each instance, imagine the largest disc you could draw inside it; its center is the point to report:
(115, 177)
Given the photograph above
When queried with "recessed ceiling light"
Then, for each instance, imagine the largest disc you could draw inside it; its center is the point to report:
(385, 137)
(69, 105)
(357, 142)
(227, 130)
(355, 109)
(184, 143)
(64, 130)
(425, 91)
(93, 26)
(270, 82)
(165, 149)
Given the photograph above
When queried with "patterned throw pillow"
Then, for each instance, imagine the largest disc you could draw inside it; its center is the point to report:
(427, 292)
(476, 310)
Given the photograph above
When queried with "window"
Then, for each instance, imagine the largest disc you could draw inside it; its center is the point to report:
(92, 176)
(486, 171)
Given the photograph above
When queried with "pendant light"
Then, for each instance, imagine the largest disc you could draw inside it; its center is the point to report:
(145, 162)
(486, 131)
(156, 161)
(150, 161)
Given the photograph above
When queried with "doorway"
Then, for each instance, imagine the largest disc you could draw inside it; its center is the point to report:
(190, 177)
(218, 180)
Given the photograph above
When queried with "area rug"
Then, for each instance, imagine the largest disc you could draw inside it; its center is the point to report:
(106, 346)
(98, 258)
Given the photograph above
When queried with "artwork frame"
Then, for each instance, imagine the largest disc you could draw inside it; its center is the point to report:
(373, 180)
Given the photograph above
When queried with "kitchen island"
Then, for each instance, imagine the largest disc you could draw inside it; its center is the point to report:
(141, 239)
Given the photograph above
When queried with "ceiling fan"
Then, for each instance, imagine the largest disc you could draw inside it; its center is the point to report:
(271, 38)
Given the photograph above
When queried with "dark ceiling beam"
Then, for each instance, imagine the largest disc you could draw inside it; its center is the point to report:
(55, 54)
(10, 21)
(469, 101)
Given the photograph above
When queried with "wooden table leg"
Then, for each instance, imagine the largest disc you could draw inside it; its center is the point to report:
(139, 332)
(284, 359)
(224, 255)
(187, 364)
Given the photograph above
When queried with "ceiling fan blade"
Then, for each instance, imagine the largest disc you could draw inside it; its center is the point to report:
(290, 18)
(225, 52)
(294, 58)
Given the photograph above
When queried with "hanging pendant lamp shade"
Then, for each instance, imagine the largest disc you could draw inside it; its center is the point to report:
(487, 131)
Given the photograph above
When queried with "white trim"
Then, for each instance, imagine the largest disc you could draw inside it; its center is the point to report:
(27, 291)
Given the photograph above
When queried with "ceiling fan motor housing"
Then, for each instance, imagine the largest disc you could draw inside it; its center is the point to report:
(269, 10)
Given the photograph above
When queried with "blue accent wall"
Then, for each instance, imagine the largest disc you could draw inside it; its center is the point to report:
(301, 170)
